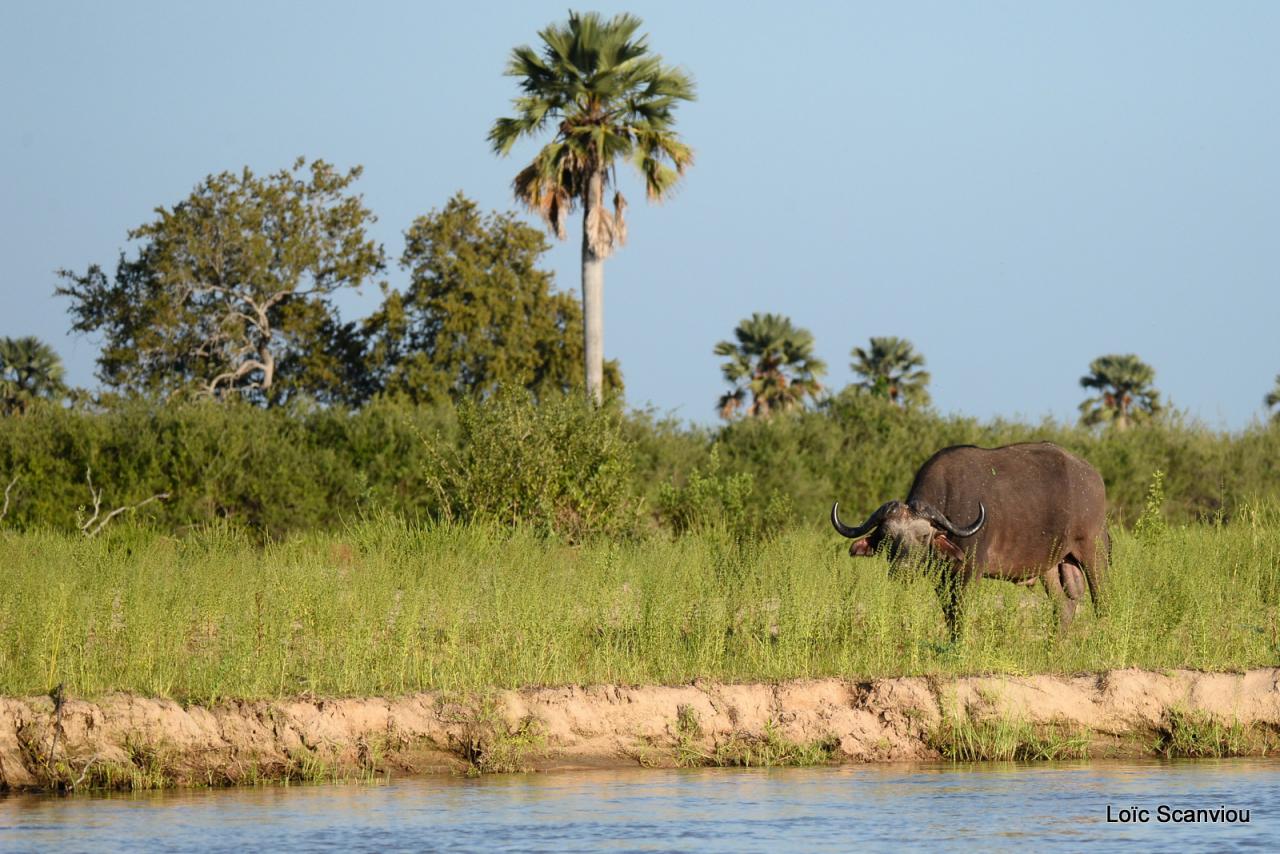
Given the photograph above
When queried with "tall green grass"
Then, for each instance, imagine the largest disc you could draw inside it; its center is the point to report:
(385, 607)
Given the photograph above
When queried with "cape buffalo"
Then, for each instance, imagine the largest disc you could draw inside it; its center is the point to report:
(1018, 512)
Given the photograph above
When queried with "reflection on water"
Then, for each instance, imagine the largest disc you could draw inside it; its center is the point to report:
(1060, 807)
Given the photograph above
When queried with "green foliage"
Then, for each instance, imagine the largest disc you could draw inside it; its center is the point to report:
(890, 368)
(1198, 735)
(962, 739)
(487, 743)
(863, 451)
(1151, 525)
(607, 98)
(773, 361)
(741, 750)
(30, 370)
(561, 465)
(1272, 400)
(707, 500)
(229, 292)
(665, 451)
(479, 313)
(1126, 395)
(771, 750)
(299, 467)
(269, 471)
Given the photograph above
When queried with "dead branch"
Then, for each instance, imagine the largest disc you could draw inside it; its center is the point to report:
(88, 528)
(96, 495)
(84, 772)
(4, 511)
(246, 367)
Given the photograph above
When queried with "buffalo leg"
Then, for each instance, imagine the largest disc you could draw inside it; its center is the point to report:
(1065, 585)
(1072, 581)
(1096, 570)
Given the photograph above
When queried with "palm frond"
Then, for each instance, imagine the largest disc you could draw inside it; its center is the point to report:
(29, 370)
(775, 360)
(1126, 392)
(891, 367)
(1273, 396)
(609, 98)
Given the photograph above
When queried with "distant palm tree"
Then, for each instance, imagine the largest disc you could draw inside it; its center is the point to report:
(606, 97)
(1126, 394)
(29, 370)
(772, 361)
(892, 369)
(1273, 398)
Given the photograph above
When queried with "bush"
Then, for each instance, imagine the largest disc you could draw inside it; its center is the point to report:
(560, 465)
(563, 467)
(710, 500)
(273, 470)
(863, 451)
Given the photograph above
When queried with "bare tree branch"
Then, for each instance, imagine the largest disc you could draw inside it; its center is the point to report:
(159, 496)
(247, 366)
(97, 500)
(88, 528)
(4, 511)
(84, 772)
(252, 321)
(275, 298)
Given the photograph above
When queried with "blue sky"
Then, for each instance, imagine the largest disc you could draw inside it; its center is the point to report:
(1015, 187)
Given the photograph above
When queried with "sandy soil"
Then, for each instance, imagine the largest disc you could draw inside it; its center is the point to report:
(880, 720)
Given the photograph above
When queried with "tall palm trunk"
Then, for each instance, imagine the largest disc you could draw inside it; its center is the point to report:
(593, 294)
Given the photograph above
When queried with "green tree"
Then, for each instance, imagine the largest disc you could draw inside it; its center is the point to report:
(1125, 397)
(1273, 398)
(773, 361)
(607, 98)
(30, 370)
(230, 291)
(892, 369)
(479, 312)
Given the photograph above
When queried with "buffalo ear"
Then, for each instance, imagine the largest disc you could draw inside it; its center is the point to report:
(861, 548)
(946, 547)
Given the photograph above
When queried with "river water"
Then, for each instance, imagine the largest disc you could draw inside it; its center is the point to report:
(955, 807)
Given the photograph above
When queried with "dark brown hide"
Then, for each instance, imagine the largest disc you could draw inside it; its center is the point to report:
(1044, 506)
(1045, 516)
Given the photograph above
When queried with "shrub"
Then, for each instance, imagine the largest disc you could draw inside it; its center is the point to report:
(273, 471)
(560, 465)
(710, 500)
(564, 467)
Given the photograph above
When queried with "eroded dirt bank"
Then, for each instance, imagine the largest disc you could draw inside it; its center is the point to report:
(129, 741)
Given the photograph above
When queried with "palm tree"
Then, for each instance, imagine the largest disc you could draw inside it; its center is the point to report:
(606, 97)
(892, 369)
(774, 361)
(1273, 398)
(1126, 395)
(29, 370)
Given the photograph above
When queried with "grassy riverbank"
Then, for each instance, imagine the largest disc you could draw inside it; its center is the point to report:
(386, 608)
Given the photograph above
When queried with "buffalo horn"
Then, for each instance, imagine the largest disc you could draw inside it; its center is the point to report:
(872, 521)
(933, 514)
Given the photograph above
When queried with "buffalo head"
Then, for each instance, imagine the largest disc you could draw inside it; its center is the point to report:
(906, 529)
